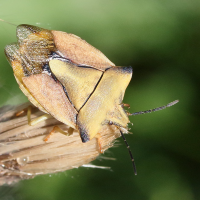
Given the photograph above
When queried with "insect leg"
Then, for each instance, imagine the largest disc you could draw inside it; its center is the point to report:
(125, 105)
(36, 120)
(98, 136)
(20, 112)
(57, 129)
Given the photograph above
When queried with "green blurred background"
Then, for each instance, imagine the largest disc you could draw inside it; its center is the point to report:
(160, 39)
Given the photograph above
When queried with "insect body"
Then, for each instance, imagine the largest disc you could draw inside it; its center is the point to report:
(66, 77)
(69, 79)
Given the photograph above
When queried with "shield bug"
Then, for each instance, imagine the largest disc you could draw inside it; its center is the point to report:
(69, 79)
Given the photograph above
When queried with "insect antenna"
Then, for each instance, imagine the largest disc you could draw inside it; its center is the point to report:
(130, 153)
(155, 109)
(8, 22)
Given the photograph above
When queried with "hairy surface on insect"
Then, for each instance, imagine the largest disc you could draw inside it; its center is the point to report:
(66, 77)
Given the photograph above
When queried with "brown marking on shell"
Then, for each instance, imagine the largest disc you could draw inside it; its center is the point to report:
(51, 96)
(79, 51)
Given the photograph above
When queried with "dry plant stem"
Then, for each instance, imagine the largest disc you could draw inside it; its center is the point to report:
(24, 153)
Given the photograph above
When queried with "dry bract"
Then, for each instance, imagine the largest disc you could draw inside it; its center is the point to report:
(24, 154)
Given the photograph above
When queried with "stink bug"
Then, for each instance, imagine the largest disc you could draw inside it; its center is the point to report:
(69, 79)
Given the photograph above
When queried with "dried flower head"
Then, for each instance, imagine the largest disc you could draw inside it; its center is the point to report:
(24, 153)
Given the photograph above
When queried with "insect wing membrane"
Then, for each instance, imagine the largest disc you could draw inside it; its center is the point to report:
(35, 47)
(104, 103)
